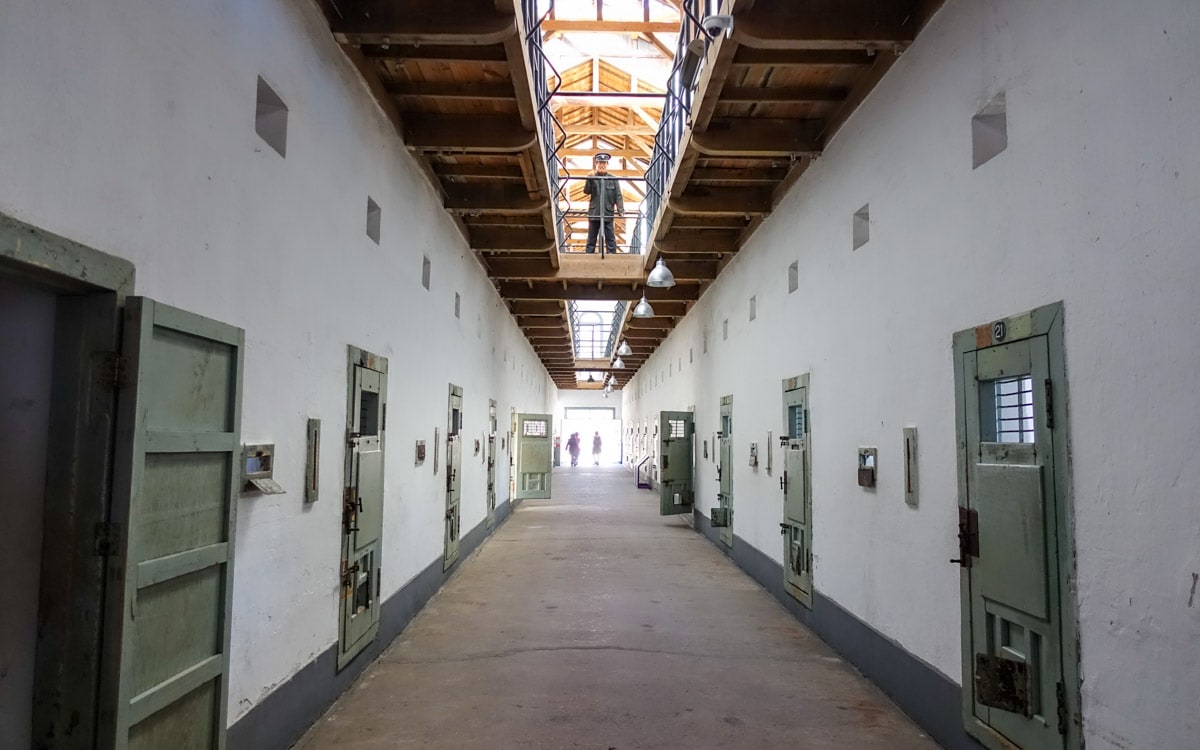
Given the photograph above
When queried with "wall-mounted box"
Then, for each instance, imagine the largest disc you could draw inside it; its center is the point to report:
(910, 466)
(420, 454)
(754, 455)
(867, 460)
(312, 461)
(258, 468)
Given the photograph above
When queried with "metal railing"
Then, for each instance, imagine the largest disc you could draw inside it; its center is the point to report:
(677, 110)
(553, 134)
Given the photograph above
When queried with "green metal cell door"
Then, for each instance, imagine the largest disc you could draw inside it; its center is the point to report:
(797, 497)
(722, 515)
(175, 476)
(453, 475)
(676, 432)
(362, 504)
(533, 457)
(491, 464)
(1015, 686)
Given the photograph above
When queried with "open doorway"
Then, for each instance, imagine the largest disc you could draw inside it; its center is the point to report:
(590, 422)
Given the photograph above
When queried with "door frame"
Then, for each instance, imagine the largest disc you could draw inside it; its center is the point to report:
(1047, 321)
(91, 287)
(789, 385)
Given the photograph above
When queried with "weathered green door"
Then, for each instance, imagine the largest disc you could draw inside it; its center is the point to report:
(1015, 687)
(722, 515)
(175, 477)
(797, 497)
(362, 504)
(533, 457)
(453, 475)
(491, 464)
(676, 433)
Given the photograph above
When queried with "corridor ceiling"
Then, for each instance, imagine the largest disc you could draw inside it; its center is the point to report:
(456, 78)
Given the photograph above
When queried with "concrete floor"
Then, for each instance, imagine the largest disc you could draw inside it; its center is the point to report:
(588, 621)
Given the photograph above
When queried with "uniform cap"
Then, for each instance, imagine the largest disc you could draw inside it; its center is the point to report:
(603, 156)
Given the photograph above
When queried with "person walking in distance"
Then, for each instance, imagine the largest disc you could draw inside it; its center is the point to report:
(596, 442)
(605, 203)
(573, 448)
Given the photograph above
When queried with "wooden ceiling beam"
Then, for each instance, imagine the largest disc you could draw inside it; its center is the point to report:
(618, 27)
(783, 94)
(510, 239)
(680, 241)
(530, 307)
(459, 22)
(495, 198)
(759, 137)
(709, 222)
(439, 90)
(738, 174)
(466, 133)
(810, 24)
(561, 291)
(608, 99)
(616, 128)
(488, 171)
(717, 200)
(787, 58)
(436, 53)
(616, 153)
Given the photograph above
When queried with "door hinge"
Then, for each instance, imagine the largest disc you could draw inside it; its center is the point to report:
(107, 539)
(383, 419)
(1049, 405)
(113, 371)
(968, 536)
(1061, 692)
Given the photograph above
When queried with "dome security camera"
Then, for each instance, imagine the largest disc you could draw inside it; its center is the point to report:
(715, 25)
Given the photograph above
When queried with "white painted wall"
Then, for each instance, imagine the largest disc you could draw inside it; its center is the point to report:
(1093, 203)
(130, 128)
(26, 353)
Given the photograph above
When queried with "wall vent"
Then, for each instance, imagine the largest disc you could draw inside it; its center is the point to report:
(989, 131)
(753, 308)
(725, 330)
(374, 214)
(270, 118)
(862, 226)
(457, 305)
(425, 268)
(793, 276)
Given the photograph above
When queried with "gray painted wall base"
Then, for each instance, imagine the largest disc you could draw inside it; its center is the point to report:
(280, 719)
(930, 698)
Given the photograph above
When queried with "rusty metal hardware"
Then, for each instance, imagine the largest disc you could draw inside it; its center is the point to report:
(968, 536)
(1002, 683)
(348, 572)
(783, 482)
(783, 528)
(1060, 692)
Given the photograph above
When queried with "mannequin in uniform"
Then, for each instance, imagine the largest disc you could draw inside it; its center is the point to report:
(605, 204)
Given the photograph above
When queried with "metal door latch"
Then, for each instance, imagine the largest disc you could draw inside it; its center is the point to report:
(784, 528)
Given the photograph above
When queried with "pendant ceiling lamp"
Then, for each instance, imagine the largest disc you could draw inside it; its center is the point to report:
(643, 309)
(618, 364)
(661, 276)
(624, 350)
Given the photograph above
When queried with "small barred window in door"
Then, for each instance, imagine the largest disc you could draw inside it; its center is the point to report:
(535, 428)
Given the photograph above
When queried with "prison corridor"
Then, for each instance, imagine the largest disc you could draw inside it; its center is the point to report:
(589, 621)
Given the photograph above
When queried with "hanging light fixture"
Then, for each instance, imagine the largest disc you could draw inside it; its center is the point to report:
(607, 389)
(661, 276)
(624, 350)
(618, 364)
(643, 309)
(591, 378)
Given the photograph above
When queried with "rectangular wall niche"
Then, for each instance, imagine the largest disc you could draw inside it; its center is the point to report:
(753, 308)
(270, 118)
(989, 131)
(862, 226)
(425, 267)
(374, 214)
(793, 276)
(725, 330)
(457, 305)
